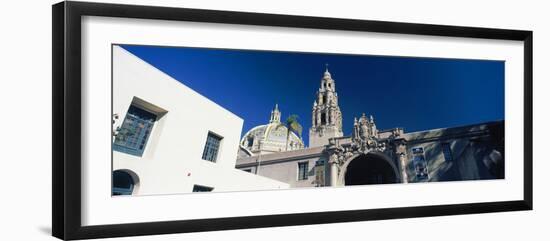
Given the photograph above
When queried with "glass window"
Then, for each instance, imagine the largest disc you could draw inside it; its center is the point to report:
(134, 132)
(447, 153)
(417, 150)
(123, 183)
(420, 167)
(199, 188)
(302, 170)
(210, 152)
(421, 170)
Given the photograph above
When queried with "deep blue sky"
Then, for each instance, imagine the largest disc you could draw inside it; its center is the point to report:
(413, 93)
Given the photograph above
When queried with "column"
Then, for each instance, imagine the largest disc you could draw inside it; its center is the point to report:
(333, 174)
(404, 176)
(333, 170)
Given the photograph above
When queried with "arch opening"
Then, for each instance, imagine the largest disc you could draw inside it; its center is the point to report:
(370, 169)
(124, 183)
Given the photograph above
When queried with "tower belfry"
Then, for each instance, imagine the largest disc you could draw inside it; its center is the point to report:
(326, 115)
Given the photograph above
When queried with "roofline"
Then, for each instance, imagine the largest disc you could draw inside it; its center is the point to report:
(254, 159)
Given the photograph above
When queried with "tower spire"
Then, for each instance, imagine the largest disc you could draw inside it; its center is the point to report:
(275, 115)
(326, 116)
(326, 74)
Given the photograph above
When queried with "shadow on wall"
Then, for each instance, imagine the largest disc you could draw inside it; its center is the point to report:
(45, 230)
(477, 154)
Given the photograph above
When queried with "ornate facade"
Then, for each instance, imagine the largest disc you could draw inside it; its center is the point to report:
(372, 156)
(326, 115)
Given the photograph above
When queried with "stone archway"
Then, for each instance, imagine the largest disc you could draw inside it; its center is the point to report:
(124, 182)
(371, 168)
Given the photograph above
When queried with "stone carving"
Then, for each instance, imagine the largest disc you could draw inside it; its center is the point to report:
(339, 157)
(364, 140)
(364, 132)
(365, 137)
(396, 132)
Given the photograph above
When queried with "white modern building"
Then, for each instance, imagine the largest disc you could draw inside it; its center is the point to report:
(169, 139)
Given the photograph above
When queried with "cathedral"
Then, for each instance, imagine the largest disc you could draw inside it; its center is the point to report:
(368, 155)
(270, 138)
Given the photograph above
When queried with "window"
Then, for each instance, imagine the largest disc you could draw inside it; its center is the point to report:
(211, 148)
(319, 175)
(421, 171)
(447, 153)
(302, 170)
(199, 188)
(134, 132)
(323, 118)
(417, 150)
(123, 183)
(420, 167)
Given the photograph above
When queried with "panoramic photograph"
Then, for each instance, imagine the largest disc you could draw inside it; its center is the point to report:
(187, 119)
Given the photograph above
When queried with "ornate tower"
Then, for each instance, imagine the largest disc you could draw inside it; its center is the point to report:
(275, 115)
(326, 116)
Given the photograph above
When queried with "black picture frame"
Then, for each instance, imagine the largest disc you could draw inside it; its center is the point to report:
(67, 136)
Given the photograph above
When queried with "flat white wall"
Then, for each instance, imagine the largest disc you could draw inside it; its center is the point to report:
(172, 160)
(25, 91)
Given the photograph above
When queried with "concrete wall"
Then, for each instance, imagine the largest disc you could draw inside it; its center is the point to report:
(284, 166)
(288, 172)
(471, 148)
(316, 139)
(172, 160)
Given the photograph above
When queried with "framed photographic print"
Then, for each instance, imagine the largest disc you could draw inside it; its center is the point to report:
(170, 120)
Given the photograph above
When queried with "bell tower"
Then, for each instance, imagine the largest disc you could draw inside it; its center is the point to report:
(326, 116)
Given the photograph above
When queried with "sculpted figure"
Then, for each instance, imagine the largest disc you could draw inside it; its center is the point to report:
(364, 130)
